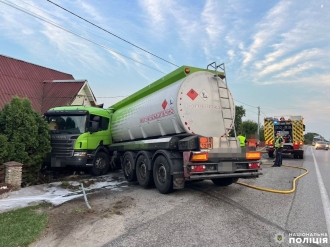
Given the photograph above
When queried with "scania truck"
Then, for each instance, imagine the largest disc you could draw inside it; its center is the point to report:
(173, 130)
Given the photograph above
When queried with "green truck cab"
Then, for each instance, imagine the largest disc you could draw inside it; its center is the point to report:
(79, 137)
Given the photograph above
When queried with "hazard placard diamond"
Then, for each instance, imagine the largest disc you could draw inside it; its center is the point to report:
(164, 104)
(204, 95)
(192, 94)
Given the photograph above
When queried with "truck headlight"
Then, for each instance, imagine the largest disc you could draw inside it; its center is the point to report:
(81, 154)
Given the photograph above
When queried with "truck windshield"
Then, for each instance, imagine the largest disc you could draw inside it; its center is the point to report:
(67, 124)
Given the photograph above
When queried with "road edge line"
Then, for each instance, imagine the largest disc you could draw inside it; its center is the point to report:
(324, 194)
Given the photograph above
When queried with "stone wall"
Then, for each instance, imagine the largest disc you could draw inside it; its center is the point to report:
(13, 174)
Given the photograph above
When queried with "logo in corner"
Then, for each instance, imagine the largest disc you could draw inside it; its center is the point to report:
(279, 238)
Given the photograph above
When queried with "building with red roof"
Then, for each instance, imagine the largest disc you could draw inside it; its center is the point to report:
(44, 87)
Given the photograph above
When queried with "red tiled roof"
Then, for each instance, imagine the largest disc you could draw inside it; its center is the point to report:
(26, 80)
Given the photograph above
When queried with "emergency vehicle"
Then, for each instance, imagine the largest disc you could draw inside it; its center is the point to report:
(292, 130)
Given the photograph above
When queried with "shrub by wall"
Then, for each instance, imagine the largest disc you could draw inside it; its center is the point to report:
(28, 140)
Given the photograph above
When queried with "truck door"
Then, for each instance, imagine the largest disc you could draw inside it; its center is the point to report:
(102, 135)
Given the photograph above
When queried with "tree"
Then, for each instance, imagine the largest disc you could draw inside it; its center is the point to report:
(309, 137)
(262, 134)
(239, 114)
(27, 135)
(249, 128)
(3, 148)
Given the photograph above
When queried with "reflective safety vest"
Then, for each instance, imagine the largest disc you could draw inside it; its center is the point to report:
(277, 142)
(241, 140)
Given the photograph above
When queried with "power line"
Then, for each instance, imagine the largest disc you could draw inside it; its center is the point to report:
(263, 113)
(76, 34)
(245, 104)
(78, 27)
(251, 111)
(112, 33)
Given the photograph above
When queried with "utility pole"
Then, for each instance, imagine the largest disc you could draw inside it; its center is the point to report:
(258, 121)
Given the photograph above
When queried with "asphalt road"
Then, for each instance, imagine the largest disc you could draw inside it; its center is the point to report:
(205, 215)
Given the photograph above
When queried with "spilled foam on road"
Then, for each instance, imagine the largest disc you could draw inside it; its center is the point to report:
(53, 193)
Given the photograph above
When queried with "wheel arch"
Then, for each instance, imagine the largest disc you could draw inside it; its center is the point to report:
(173, 158)
(99, 149)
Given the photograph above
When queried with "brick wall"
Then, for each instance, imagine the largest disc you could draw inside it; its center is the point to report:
(13, 174)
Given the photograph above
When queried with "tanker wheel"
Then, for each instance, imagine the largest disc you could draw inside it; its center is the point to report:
(101, 164)
(224, 181)
(162, 175)
(143, 174)
(128, 167)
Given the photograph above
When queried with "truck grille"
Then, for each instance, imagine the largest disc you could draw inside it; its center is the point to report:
(62, 148)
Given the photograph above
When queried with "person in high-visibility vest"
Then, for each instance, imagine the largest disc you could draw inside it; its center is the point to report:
(242, 139)
(279, 143)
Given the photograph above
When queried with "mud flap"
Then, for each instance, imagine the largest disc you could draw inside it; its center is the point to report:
(178, 180)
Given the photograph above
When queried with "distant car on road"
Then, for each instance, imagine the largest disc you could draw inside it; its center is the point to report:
(322, 145)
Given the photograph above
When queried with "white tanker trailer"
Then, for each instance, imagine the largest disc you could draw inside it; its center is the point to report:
(174, 130)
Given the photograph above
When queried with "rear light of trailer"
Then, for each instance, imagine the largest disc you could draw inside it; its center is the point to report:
(195, 157)
(254, 166)
(205, 142)
(253, 155)
(200, 168)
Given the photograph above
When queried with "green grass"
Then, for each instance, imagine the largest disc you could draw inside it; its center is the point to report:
(23, 226)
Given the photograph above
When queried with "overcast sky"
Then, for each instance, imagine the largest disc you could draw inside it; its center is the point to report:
(277, 53)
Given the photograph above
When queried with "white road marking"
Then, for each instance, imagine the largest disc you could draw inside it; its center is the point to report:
(324, 194)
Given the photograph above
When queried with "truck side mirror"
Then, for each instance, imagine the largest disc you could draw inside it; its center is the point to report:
(94, 127)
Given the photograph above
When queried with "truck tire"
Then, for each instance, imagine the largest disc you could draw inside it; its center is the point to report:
(128, 167)
(295, 156)
(101, 164)
(143, 174)
(271, 154)
(162, 175)
(224, 181)
(301, 156)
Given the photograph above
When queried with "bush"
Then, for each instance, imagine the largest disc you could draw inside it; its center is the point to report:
(27, 135)
(3, 148)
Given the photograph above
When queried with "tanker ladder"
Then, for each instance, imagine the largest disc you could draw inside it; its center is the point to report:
(224, 102)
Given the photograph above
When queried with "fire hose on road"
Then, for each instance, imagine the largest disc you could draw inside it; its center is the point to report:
(279, 191)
